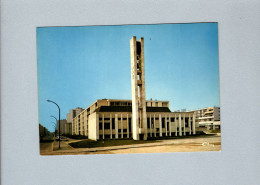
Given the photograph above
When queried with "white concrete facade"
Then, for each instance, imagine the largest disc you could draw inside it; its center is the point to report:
(138, 88)
(119, 125)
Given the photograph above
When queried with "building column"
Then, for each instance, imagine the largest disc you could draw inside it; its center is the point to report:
(184, 123)
(86, 126)
(97, 126)
(111, 136)
(140, 122)
(194, 125)
(180, 129)
(116, 125)
(160, 124)
(127, 120)
(103, 126)
(151, 126)
(135, 113)
(154, 125)
(166, 127)
(170, 125)
(189, 125)
(122, 126)
(176, 125)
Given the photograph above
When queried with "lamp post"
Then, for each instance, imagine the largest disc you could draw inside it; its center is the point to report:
(54, 131)
(56, 118)
(54, 126)
(56, 121)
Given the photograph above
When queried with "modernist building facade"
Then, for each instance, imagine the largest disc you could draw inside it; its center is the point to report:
(113, 119)
(136, 118)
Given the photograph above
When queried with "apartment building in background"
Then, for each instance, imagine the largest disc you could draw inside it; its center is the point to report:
(208, 117)
(72, 113)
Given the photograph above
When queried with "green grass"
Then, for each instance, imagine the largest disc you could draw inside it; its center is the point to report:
(107, 142)
(215, 131)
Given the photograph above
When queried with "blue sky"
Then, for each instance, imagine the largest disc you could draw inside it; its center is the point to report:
(78, 65)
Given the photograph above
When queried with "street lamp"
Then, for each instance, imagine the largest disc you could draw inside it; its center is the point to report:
(56, 118)
(54, 126)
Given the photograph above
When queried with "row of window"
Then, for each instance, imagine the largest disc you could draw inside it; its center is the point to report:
(107, 125)
(108, 136)
(120, 104)
(152, 118)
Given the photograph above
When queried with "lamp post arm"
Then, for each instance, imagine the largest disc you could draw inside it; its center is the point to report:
(56, 119)
(54, 103)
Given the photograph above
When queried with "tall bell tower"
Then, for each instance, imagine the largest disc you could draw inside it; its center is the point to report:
(139, 119)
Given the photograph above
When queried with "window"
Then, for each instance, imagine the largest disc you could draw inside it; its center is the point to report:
(107, 136)
(172, 119)
(163, 122)
(186, 122)
(164, 104)
(113, 123)
(148, 123)
(107, 125)
(129, 125)
(100, 126)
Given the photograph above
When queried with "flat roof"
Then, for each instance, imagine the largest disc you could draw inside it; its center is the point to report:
(129, 109)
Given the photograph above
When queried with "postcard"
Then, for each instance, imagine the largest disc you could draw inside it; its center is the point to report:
(128, 89)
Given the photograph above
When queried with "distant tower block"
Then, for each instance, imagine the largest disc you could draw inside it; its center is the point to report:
(139, 119)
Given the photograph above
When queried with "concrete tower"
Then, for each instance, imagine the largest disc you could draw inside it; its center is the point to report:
(139, 119)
